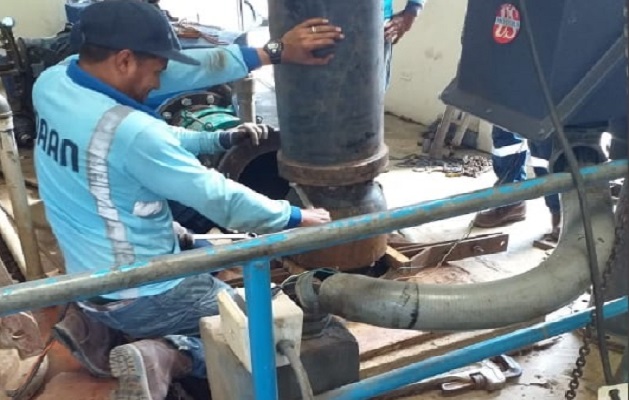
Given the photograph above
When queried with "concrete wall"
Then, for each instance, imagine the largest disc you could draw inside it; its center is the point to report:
(35, 17)
(425, 60)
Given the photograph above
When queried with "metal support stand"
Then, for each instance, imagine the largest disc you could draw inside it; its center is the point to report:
(12, 170)
(245, 90)
(438, 142)
(261, 342)
(622, 373)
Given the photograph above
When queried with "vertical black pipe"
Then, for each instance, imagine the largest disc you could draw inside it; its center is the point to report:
(331, 120)
(331, 117)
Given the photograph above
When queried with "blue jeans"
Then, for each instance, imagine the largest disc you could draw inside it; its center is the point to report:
(173, 315)
(509, 160)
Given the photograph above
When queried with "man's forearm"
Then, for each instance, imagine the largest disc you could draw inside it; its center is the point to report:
(414, 6)
(264, 57)
(202, 142)
(255, 57)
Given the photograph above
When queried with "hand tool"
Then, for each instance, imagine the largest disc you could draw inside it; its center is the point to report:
(221, 236)
(490, 375)
(303, 197)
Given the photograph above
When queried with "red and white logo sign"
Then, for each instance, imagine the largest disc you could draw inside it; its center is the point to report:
(507, 24)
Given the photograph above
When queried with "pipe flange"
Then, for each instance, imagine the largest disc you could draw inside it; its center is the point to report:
(306, 289)
(234, 162)
(334, 175)
(171, 109)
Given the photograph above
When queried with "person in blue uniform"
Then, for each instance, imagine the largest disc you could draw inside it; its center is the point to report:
(396, 25)
(107, 166)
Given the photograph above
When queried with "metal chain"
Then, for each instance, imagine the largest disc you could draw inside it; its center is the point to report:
(585, 349)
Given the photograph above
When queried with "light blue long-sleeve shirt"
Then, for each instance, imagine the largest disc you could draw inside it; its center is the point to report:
(413, 5)
(106, 166)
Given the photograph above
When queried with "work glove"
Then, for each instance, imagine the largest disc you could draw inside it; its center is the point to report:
(254, 133)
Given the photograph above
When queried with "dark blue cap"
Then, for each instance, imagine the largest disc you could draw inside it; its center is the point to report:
(131, 24)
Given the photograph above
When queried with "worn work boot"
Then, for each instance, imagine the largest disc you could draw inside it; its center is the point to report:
(88, 340)
(501, 216)
(146, 368)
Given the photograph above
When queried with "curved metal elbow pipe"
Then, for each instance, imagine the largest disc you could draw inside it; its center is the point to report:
(557, 281)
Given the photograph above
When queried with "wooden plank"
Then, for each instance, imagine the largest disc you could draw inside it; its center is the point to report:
(407, 355)
(374, 341)
(394, 259)
(544, 244)
(287, 324)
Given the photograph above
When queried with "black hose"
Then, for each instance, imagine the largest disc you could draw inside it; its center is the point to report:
(287, 348)
(580, 186)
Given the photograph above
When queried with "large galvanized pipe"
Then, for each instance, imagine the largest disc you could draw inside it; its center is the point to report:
(67, 288)
(558, 280)
(331, 120)
(12, 170)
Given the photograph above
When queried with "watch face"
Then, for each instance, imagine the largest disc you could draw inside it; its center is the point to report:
(273, 46)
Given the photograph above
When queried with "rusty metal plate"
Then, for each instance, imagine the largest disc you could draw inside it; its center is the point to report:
(342, 174)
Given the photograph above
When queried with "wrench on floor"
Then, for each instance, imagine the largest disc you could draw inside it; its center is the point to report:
(492, 376)
(488, 375)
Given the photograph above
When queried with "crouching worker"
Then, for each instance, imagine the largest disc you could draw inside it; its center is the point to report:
(107, 166)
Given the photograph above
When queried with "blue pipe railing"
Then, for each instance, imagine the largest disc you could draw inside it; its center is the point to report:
(260, 313)
(77, 287)
(510, 342)
(256, 253)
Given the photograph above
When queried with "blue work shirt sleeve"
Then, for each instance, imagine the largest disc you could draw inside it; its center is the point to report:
(199, 142)
(219, 65)
(414, 6)
(159, 162)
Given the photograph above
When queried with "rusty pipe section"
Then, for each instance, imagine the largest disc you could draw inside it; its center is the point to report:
(12, 170)
(557, 281)
(331, 121)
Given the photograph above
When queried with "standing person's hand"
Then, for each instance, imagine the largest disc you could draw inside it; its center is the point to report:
(298, 45)
(314, 217)
(397, 27)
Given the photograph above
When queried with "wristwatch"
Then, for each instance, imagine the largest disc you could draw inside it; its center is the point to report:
(274, 49)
